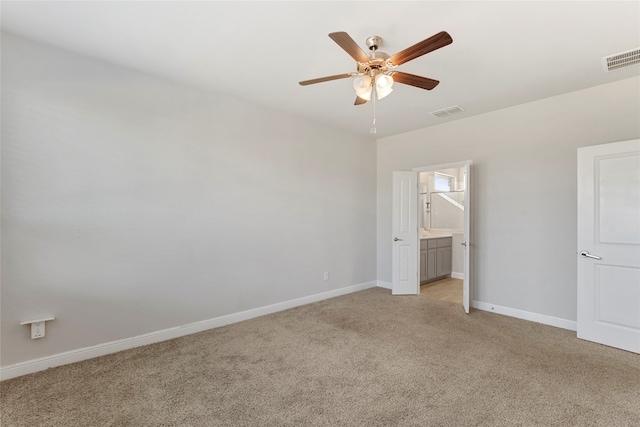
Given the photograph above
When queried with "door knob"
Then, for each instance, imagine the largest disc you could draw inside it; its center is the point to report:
(586, 254)
(395, 239)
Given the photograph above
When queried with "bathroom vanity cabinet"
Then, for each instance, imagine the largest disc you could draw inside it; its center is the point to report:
(435, 258)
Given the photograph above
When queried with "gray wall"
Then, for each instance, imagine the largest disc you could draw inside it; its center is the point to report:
(524, 189)
(131, 204)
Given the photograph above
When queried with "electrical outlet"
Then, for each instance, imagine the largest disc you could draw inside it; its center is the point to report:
(37, 326)
(326, 275)
(37, 330)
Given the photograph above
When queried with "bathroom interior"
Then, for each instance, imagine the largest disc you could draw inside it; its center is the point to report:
(441, 221)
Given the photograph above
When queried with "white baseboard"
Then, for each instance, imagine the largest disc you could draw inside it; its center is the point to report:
(85, 353)
(526, 315)
(508, 311)
(386, 285)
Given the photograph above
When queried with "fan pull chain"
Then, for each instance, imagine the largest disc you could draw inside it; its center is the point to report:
(372, 129)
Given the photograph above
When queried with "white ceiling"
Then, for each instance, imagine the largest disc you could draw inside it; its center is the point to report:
(503, 53)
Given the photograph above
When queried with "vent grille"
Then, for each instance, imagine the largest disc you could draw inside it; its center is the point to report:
(445, 112)
(621, 60)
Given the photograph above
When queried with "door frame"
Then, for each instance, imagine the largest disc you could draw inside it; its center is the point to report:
(467, 281)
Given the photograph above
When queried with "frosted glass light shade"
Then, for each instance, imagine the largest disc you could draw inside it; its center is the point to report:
(361, 83)
(362, 86)
(383, 85)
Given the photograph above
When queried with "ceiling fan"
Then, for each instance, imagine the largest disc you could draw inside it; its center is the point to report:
(375, 69)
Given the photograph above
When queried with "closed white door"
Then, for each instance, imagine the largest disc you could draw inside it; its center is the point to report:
(405, 234)
(609, 244)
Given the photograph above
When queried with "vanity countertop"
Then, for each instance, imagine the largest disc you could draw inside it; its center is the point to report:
(426, 236)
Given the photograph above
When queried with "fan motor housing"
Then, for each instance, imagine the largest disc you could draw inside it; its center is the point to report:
(377, 63)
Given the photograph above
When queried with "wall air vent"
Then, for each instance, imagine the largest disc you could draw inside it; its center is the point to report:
(445, 112)
(621, 60)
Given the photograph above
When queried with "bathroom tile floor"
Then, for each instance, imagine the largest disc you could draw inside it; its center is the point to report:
(447, 289)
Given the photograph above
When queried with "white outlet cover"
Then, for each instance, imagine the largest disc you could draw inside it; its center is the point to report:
(37, 330)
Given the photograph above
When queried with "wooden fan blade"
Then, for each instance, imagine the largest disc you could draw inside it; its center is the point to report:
(425, 46)
(345, 41)
(413, 80)
(360, 101)
(325, 79)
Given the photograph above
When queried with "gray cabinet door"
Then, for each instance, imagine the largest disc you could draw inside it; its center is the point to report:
(435, 262)
(431, 263)
(440, 262)
(446, 261)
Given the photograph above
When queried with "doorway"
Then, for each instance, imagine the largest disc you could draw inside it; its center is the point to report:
(441, 233)
(427, 244)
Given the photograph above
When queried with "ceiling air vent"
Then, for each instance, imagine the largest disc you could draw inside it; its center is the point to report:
(621, 60)
(447, 111)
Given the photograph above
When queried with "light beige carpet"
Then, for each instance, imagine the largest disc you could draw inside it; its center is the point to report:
(364, 359)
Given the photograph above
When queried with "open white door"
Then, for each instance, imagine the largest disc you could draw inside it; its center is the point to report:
(405, 234)
(468, 246)
(609, 244)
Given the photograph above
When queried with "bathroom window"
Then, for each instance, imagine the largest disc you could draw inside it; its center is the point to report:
(442, 182)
